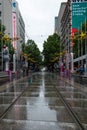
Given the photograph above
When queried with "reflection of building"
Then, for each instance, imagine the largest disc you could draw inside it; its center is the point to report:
(11, 18)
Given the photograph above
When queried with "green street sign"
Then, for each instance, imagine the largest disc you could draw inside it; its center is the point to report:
(79, 13)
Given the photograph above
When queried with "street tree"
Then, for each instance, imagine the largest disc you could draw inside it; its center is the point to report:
(51, 48)
(31, 52)
(5, 40)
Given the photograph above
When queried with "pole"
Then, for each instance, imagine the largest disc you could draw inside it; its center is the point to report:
(86, 47)
(72, 68)
(14, 62)
(2, 31)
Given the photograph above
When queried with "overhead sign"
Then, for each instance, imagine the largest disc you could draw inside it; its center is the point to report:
(79, 14)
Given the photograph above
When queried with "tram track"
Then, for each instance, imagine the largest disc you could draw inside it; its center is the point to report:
(70, 110)
(16, 99)
(58, 92)
(13, 102)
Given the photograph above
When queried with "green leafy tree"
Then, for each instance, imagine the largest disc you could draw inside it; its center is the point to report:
(51, 48)
(4, 40)
(32, 52)
(2, 30)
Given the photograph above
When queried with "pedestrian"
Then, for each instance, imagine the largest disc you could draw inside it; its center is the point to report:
(81, 70)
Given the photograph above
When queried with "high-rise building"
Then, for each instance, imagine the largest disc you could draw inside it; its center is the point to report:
(65, 35)
(74, 23)
(60, 15)
(18, 28)
(11, 18)
(56, 25)
(6, 15)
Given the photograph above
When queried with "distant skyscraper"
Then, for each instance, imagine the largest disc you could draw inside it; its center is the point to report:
(56, 25)
(60, 15)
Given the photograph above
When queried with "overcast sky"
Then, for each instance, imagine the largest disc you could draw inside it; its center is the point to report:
(39, 17)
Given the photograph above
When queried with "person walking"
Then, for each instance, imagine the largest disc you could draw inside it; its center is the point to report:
(81, 70)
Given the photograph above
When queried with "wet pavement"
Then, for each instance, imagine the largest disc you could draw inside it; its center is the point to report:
(39, 107)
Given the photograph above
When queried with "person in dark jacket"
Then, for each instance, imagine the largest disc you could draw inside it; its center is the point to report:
(81, 70)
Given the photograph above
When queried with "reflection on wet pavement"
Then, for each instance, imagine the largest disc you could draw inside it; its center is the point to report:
(77, 100)
(40, 107)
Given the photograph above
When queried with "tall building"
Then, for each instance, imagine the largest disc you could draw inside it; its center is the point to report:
(79, 25)
(18, 28)
(56, 25)
(65, 35)
(11, 18)
(60, 15)
(74, 16)
(6, 15)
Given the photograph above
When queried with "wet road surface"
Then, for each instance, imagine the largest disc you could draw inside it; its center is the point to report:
(39, 107)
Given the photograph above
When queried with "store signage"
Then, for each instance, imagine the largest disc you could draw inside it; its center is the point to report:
(79, 1)
(79, 13)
